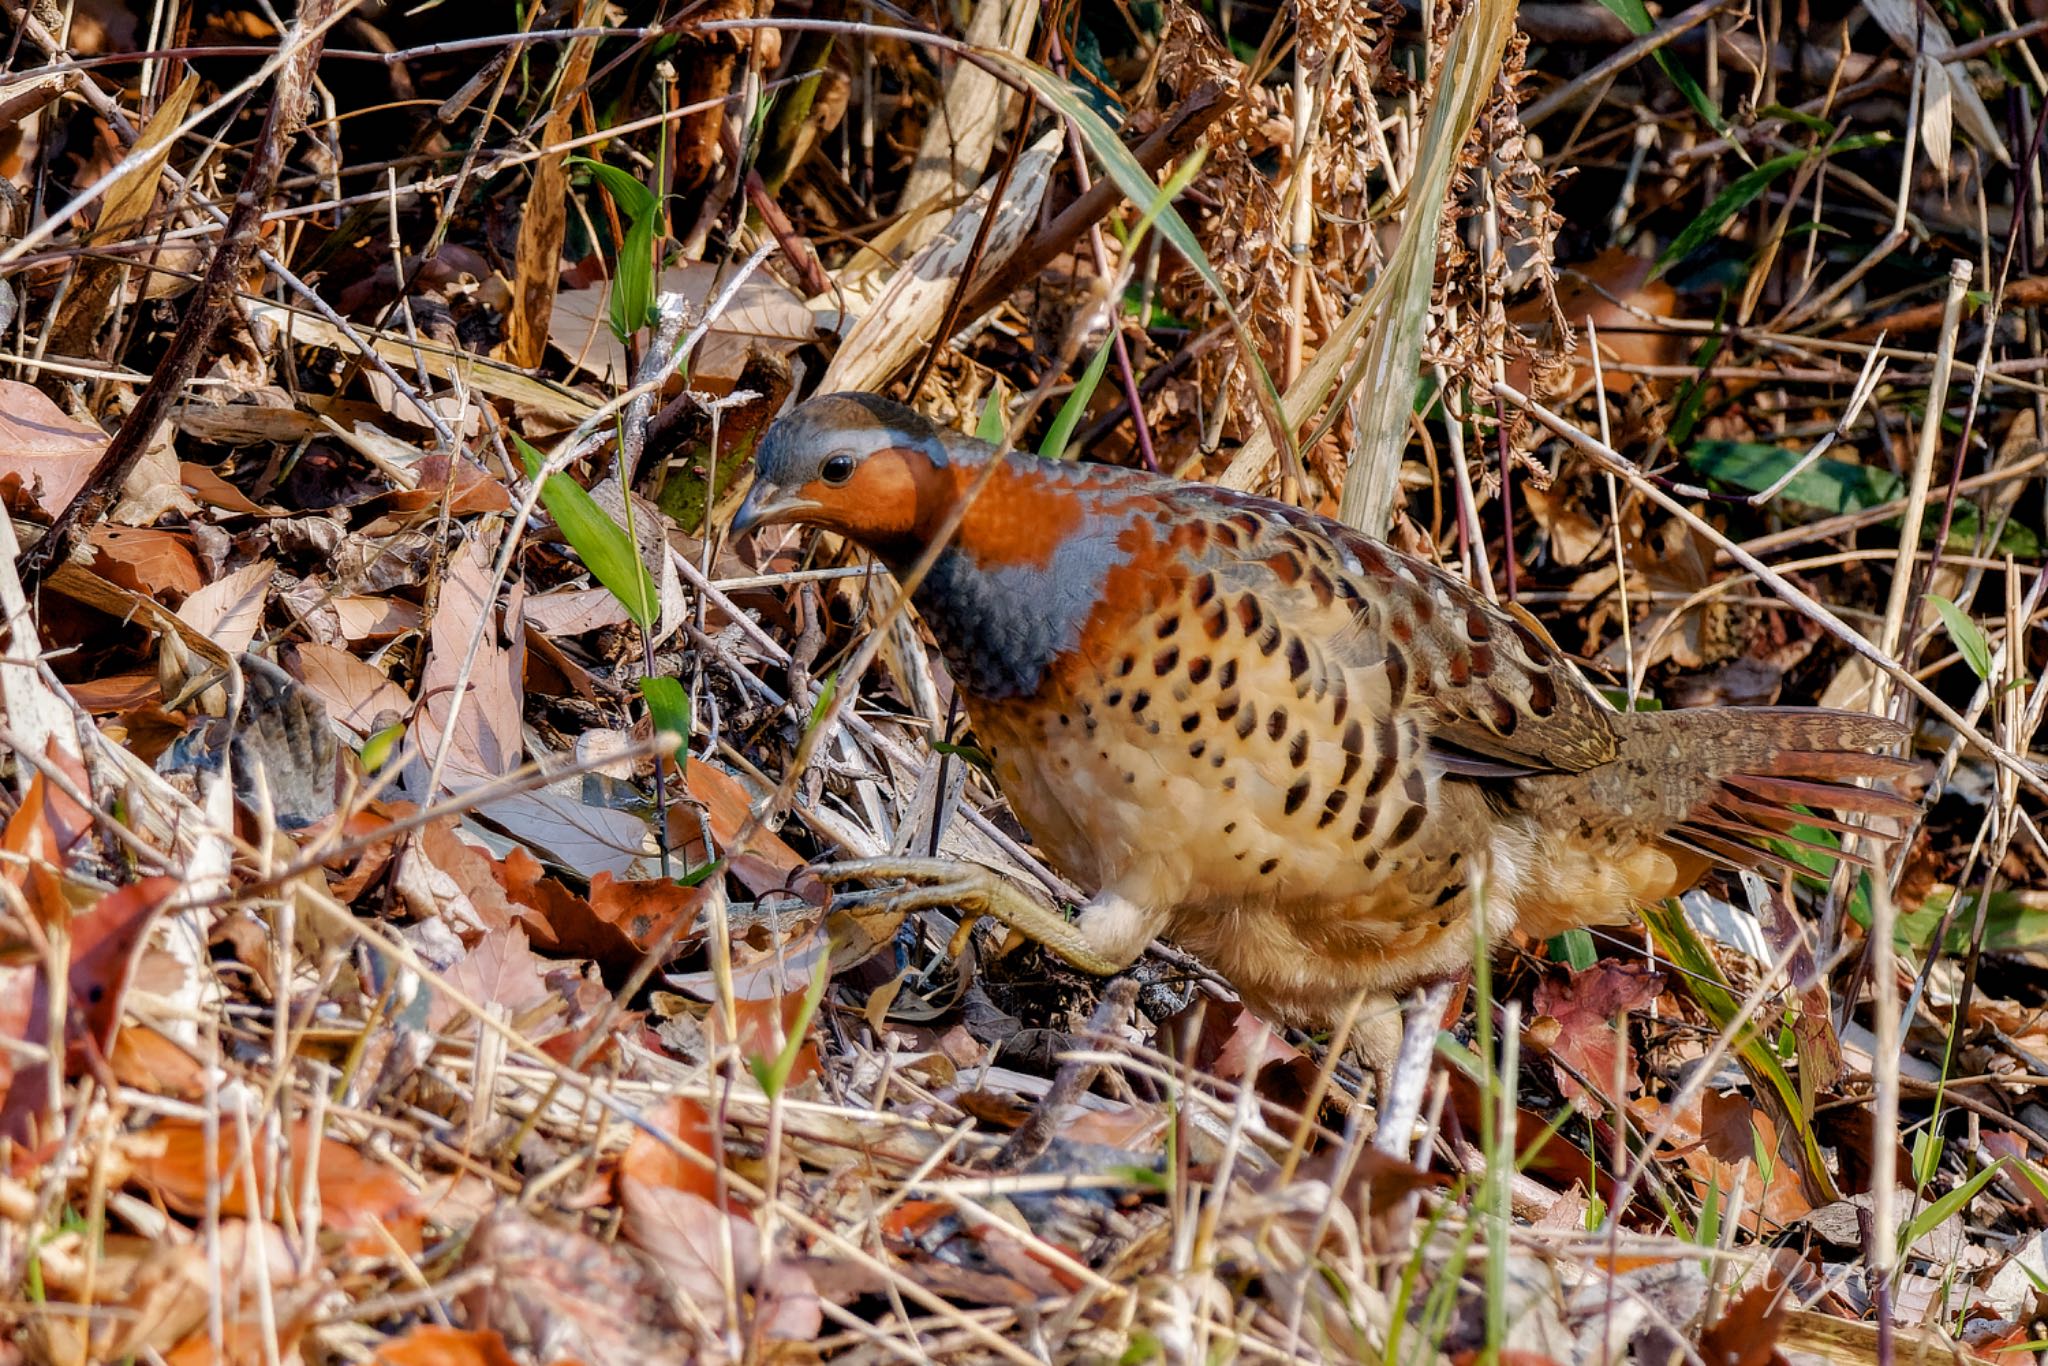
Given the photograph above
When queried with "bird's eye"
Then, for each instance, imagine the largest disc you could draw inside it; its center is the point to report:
(837, 470)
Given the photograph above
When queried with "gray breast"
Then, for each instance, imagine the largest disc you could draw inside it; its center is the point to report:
(1001, 628)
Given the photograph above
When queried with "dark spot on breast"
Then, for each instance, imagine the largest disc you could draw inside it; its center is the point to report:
(1229, 783)
(1269, 640)
(1382, 774)
(1415, 787)
(1249, 615)
(1286, 568)
(1354, 739)
(1405, 828)
(1167, 626)
(1131, 778)
(1066, 720)
(1216, 761)
(1215, 621)
(1124, 667)
(1397, 677)
(1226, 677)
(1542, 695)
(1092, 723)
(1276, 724)
(1114, 697)
(1297, 658)
(1198, 749)
(1247, 722)
(1203, 589)
(1151, 727)
(1230, 828)
(1226, 706)
(1296, 795)
(1266, 868)
(1372, 859)
(1333, 805)
(1190, 723)
(1447, 895)
(1297, 749)
(1368, 817)
(1140, 700)
(1198, 668)
(1340, 701)
(1163, 662)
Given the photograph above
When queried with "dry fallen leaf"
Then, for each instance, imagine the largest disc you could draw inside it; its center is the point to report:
(48, 454)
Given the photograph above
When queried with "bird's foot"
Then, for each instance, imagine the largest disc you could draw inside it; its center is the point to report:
(977, 891)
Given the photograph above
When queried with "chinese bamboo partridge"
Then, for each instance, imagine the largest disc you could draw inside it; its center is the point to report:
(1295, 752)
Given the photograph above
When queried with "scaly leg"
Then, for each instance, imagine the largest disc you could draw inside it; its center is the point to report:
(1110, 934)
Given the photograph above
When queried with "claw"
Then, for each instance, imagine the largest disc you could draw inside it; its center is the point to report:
(977, 891)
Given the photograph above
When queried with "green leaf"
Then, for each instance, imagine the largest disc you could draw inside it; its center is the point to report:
(1136, 183)
(668, 706)
(1839, 487)
(635, 200)
(989, 426)
(1071, 411)
(602, 544)
(1632, 13)
(1969, 640)
(1069, 417)
(774, 1075)
(1708, 986)
(1740, 194)
(632, 299)
(1744, 191)
(826, 691)
(377, 750)
(1575, 949)
(1937, 1210)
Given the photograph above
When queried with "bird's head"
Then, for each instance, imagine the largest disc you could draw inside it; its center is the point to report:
(868, 468)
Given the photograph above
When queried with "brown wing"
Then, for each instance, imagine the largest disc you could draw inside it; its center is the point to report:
(1497, 699)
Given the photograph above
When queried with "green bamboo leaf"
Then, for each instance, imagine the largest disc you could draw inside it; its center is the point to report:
(1744, 191)
(1975, 649)
(1740, 194)
(602, 544)
(632, 299)
(668, 706)
(635, 200)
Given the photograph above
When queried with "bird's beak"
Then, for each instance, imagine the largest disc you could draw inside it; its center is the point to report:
(766, 504)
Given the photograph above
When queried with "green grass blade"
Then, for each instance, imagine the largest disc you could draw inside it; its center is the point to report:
(602, 544)
(1138, 187)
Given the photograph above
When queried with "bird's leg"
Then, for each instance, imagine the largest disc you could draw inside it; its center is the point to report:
(1108, 937)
